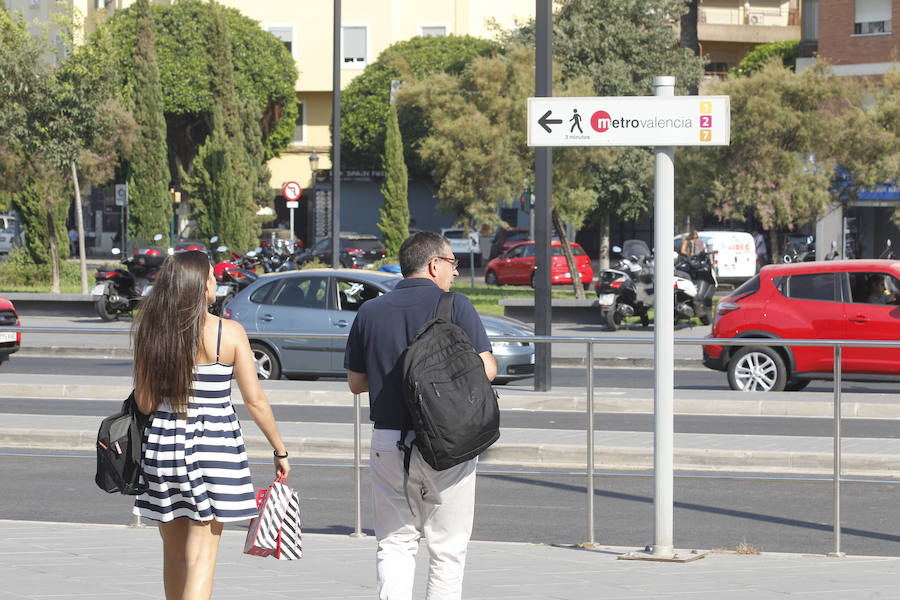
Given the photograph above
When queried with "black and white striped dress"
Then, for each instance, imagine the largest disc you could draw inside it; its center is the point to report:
(197, 468)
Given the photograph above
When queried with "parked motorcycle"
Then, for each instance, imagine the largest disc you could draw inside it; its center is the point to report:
(626, 289)
(230, 279)
(695, 300)
(118, 291)
(800, 251)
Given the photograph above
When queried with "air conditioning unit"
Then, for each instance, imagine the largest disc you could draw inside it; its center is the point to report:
(755, 18)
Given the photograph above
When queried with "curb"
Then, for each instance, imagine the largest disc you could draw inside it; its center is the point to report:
(557, 362)
(612, 402)
(548, 456)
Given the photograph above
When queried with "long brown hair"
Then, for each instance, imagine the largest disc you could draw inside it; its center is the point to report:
(166, 332)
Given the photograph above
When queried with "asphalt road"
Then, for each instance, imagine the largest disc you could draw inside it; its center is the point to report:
(720, 511)
(700, 379)
(731, 425)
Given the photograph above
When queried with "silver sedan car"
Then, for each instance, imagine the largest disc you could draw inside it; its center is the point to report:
(325, 301)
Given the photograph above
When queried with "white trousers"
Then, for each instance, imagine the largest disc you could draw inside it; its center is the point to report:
(443, 507)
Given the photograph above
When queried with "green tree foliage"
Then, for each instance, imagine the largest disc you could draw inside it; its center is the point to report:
(365, 102)
(149, 204)
(394, 223)
(264, 72)
(757, 58)
(780, 120)
(477, 147)
(49, 119)
(620, 46)
(223, 178)
(867, 143)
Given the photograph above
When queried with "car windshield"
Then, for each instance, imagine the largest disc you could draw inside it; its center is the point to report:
(361, 243)
(576, 251)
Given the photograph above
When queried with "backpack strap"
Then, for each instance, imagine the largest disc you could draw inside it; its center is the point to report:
(407, 455)
(445, 307)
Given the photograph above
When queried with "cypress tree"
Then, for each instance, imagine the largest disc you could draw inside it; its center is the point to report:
(222, 180)
(150, 206)
(394, 223)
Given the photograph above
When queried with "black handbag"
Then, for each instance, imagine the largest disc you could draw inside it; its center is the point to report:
(120, 450)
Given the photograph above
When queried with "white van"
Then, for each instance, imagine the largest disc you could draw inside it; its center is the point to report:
(735, 253)
(7, 233)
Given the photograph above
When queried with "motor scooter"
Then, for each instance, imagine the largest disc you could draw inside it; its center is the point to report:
(626, 289)
(700, 271)
(230, 279)
(118, 291)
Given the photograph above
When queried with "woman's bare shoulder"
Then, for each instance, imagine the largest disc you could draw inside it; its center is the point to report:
(233, 329)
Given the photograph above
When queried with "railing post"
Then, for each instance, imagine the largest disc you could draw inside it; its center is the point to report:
(590, 442)
(357, 467)
(837, 452)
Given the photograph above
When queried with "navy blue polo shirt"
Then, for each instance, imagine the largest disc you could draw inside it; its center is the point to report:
(382, 330)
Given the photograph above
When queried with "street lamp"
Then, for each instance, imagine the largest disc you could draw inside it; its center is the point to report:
(314, 165)
(310, 225)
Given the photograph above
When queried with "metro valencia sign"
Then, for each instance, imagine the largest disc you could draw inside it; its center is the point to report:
(630, 121)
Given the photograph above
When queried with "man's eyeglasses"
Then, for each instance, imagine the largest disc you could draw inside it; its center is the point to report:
(452, 261)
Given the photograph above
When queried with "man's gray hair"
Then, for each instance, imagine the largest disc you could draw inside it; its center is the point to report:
(418, 249)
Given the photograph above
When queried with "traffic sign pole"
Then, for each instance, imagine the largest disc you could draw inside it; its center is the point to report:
(292, 192)
(663, 339)
(662, 122)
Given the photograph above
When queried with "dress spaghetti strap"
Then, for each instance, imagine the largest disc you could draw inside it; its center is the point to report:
(219, 340)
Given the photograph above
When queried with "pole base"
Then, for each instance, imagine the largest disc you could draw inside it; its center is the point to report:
(676, 556)
(358, 535)
(836, 555)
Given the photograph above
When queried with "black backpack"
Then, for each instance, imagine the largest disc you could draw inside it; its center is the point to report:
(449, 399)
(119, 450)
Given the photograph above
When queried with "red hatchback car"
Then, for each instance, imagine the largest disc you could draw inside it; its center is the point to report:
(516, 265)
(9, 340)
(830, 300)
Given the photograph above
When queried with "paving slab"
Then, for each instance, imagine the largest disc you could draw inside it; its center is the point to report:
(42, 561)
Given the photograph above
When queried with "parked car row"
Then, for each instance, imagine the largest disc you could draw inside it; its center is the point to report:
(325, 301)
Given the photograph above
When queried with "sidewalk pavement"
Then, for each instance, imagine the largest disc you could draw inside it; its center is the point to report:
(529, 447)
(41, 561)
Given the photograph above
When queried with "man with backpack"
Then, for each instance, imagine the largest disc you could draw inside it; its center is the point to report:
(417, 500)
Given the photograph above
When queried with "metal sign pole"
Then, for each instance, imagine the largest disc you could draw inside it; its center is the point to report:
(663, 339)
(543, 188)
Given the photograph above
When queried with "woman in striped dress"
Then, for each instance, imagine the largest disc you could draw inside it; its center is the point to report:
(194, 457)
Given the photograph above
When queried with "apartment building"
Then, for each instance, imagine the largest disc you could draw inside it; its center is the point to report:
(729, 29)
(856, 37)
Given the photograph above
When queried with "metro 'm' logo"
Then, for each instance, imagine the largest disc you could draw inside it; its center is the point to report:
(600, 121)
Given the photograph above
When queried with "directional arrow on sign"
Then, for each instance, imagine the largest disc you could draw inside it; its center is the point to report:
(544, 121)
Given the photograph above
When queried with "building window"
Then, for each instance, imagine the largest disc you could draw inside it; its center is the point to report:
(433, 30)
(717, 68)
(300, 125)
(872, 16)
(285, 33)
(355, 45)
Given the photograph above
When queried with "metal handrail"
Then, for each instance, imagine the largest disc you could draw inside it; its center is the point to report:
(836, 345)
